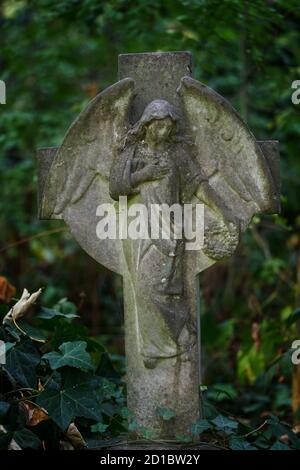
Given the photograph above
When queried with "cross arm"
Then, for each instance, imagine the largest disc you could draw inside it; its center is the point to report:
(45, 157)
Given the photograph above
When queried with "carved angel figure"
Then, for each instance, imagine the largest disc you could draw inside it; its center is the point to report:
(157, 163)
(154, 162)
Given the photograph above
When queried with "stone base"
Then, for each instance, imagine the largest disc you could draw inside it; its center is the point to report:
(148, 445)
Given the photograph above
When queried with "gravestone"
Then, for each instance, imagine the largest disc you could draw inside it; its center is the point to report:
(158, 136)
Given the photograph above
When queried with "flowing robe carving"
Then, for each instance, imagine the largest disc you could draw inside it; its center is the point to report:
(161, 297)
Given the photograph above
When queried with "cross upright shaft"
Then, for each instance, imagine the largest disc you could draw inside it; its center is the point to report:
(174, 382)
(156, 76)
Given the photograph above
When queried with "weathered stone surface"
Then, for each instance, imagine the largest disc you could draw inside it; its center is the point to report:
(270, 150)
(159, 136)
(155, 75)
(146, 445)
(44, 159)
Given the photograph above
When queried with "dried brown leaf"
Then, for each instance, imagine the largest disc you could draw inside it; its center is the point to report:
(35, 414)
(74, 437)
(7, 291)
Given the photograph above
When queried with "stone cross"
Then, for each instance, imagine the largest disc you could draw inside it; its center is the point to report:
(158, 136)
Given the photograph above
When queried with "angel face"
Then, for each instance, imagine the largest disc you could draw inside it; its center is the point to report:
(159, 130)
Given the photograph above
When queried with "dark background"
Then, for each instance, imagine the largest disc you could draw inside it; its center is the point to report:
(55, 57)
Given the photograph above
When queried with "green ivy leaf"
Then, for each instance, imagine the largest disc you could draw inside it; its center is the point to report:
(200, 426)
(238, 443)
(4, 407)
(165, 413)
(277, 429)
(262, 442)
(72, 354)
(225, 424)
(133, 426)
(126, 413)
(76, 397)
(21, 363)
(5, 439)
(222, 392)
(34, 333)
(279, 446)
(99, 428)
(108, 388)
(108, 409)
(106, 367)
(26, 439)
(48, 314)
(146, 432)
(9, 346)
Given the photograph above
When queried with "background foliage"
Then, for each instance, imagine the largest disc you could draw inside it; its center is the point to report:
(54, 57)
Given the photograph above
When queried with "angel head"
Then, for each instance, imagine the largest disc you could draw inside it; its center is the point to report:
(157, 124)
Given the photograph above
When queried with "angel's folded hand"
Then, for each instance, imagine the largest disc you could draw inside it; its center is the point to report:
(153, 172)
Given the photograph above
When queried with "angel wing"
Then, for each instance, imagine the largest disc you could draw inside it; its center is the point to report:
(228, 153)
(88, 147)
